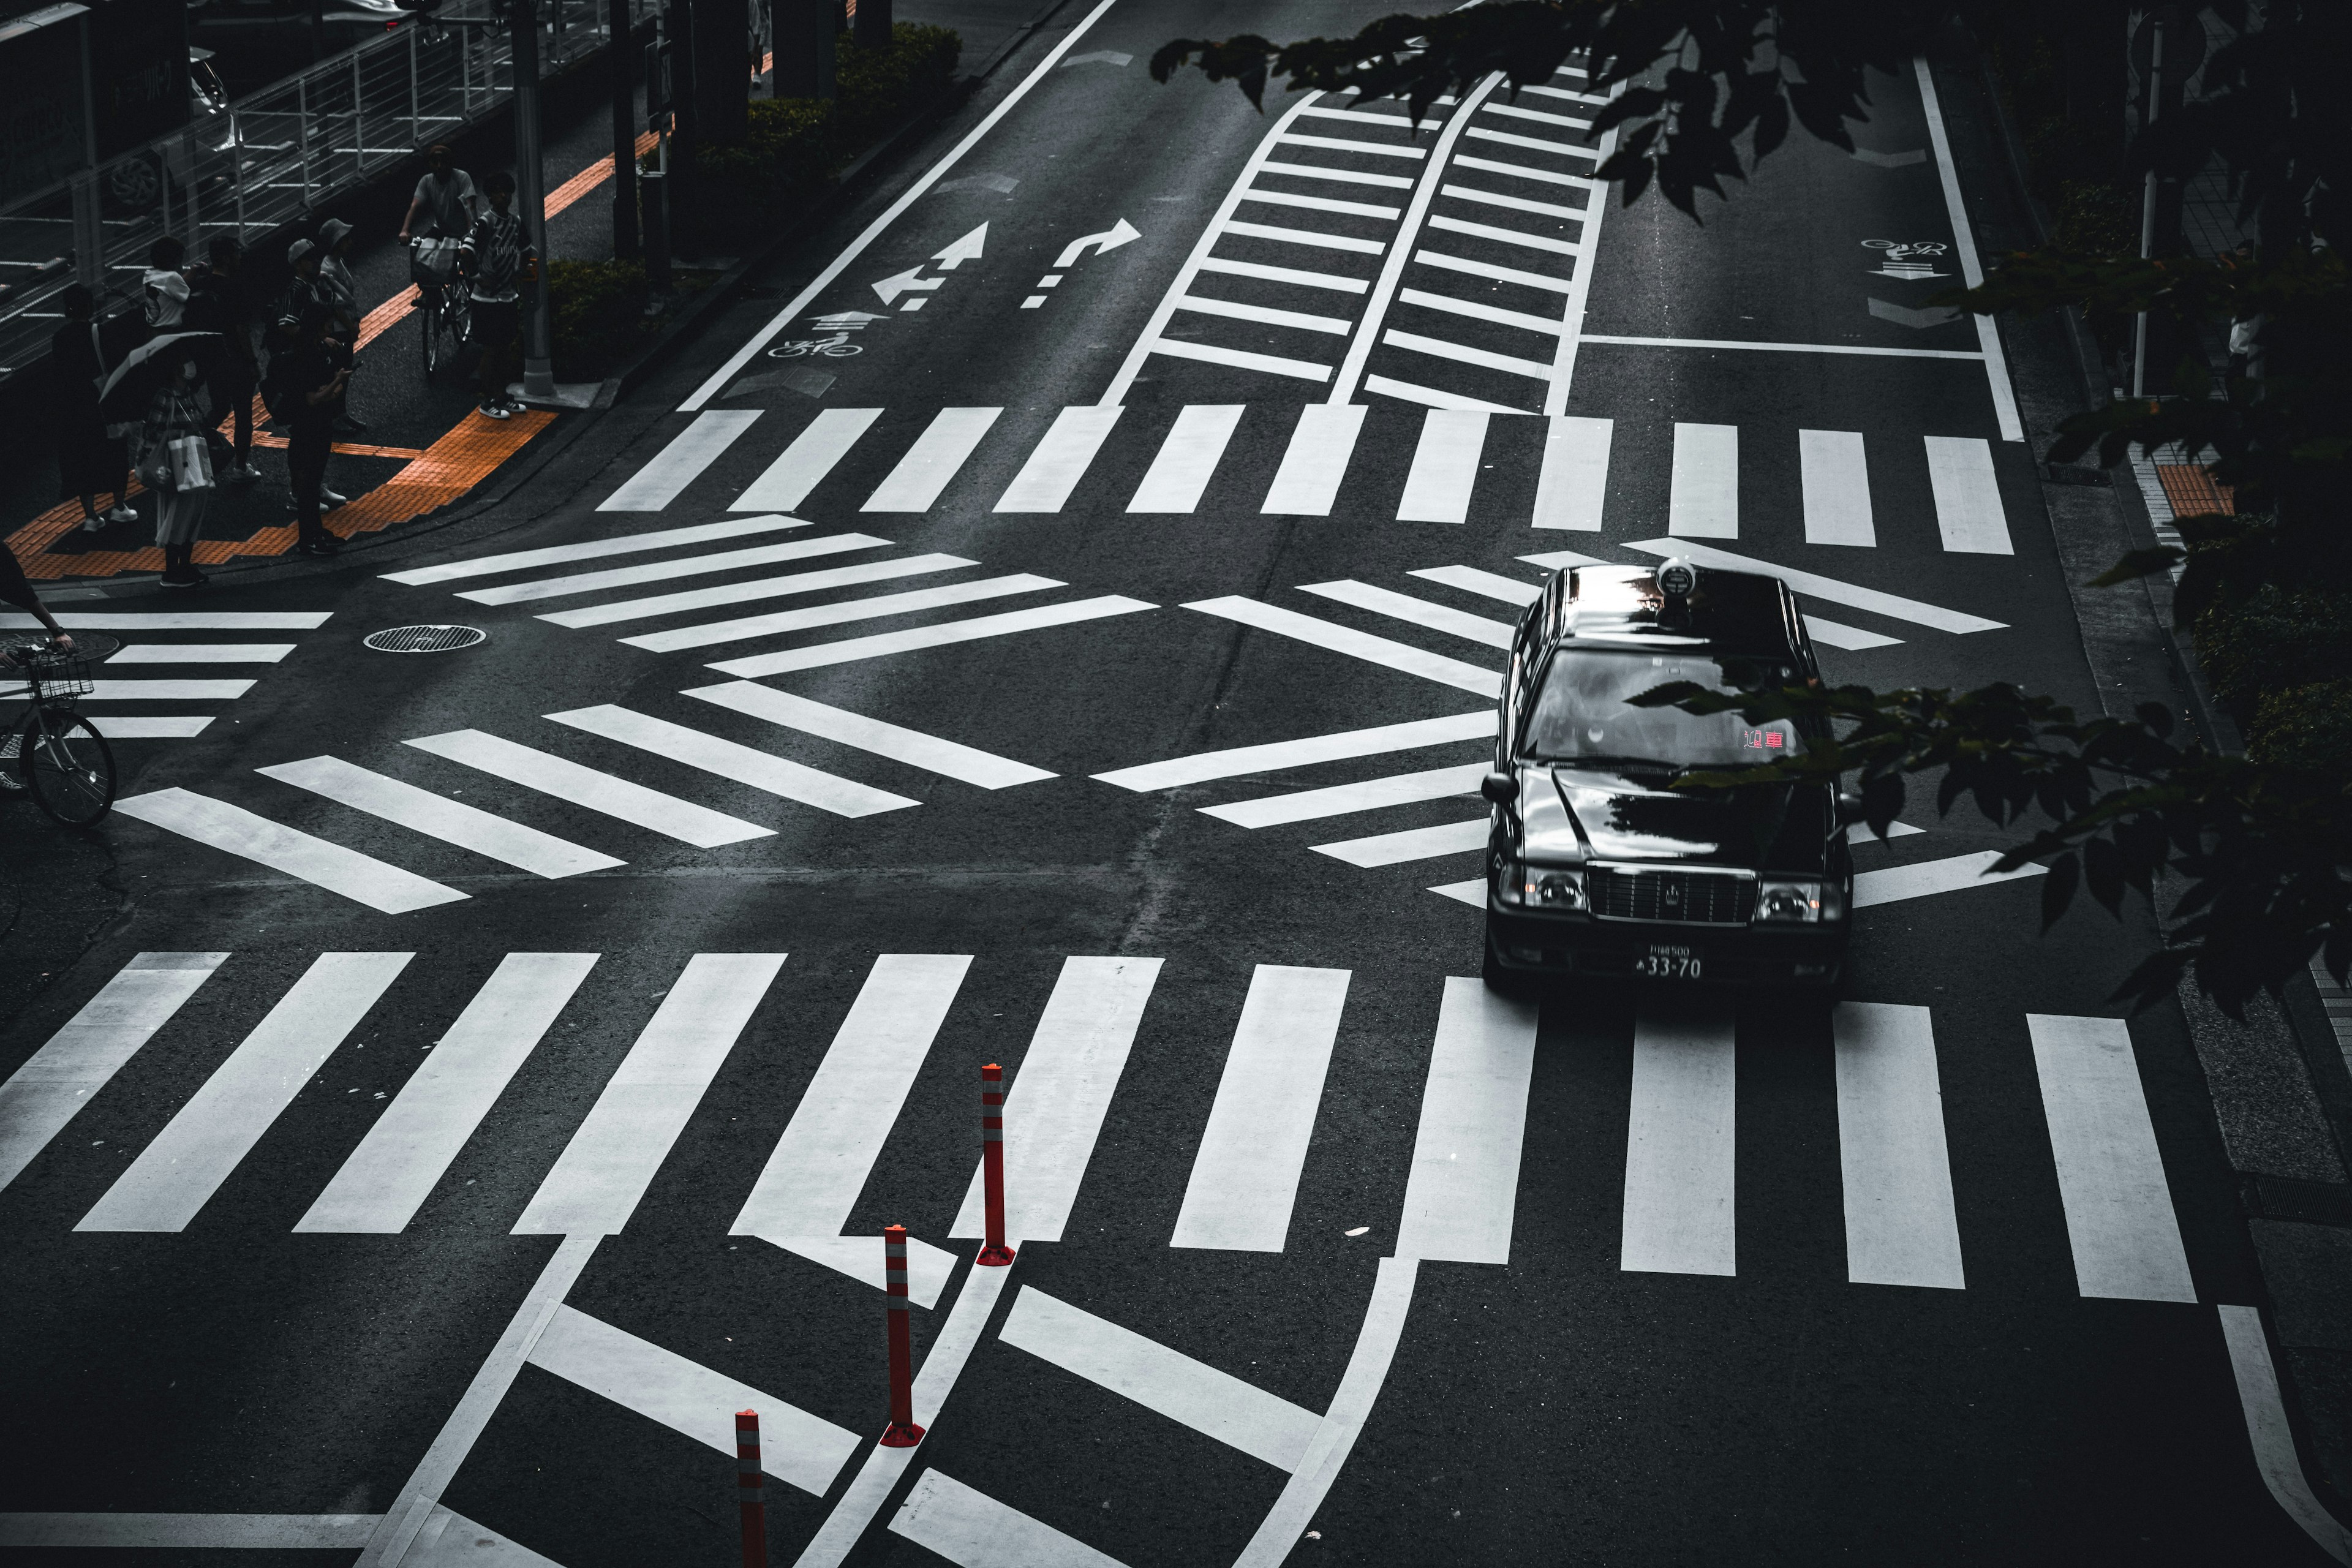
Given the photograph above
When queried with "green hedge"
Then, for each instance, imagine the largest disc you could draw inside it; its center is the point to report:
(597, 313)
(2281, 663)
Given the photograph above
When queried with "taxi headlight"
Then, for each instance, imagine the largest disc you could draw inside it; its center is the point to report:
(1541, 887)
(1780, 902)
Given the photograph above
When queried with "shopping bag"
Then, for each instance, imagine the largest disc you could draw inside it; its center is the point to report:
(191, 464)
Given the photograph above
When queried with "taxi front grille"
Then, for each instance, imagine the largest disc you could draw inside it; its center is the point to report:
(1682, 897)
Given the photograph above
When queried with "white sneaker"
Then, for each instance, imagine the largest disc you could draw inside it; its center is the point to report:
(328, 497)
(93, 525)
(119, 513)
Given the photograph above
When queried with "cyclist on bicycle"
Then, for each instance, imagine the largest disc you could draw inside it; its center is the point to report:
(446, 198)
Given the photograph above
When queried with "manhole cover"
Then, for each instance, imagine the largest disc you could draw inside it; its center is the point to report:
(426, 640)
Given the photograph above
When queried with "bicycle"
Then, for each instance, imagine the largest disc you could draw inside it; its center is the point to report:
(64, 764)
(441, 301)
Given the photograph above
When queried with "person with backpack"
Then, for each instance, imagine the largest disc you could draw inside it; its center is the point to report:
(232, 371)
(305, 385)
(495, 257)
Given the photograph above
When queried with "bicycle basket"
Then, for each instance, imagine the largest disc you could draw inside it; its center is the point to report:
(54, 675)
(434, 261)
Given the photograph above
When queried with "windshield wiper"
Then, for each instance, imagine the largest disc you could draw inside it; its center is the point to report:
(1583, 760)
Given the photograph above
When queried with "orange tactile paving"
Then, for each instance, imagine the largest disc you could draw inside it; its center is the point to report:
(594, 175)
(2191, 489)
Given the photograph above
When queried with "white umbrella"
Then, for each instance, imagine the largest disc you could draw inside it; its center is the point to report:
(146, 354)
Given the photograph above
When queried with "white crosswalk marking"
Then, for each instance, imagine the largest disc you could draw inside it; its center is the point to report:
(1336, 638)
(1968, 513)
(1318, 204)
(1319, 172)
(166, 691)
(663, 571)
(1411, 844)
(593, 550)
(1060, 1091)
(174, 621)
(1519, 238)
(911, 747)
(40, 1097)
(843, 611)
(1837, 487)
(1928, 878)
(1339, 800)
(1462, 353)
(1517, 204)
(127, 727)
(1445, 467)
(933, 461)
(1432, 397)
(1900, 1226)
(1315, 461)
(1575, 475)
(1376, 147)
(1462, 1193)
(1187, 459)
(681, 462)
(1704, 502)
(1303, 279)
(972, 1530)
(818, 1167)
(1534, 143)
(1242, 359)
(732, 760)
(944, 635)
(404, 1155)
(236, 831)
(603, 1171)
(1678, 1145)
(1836, 633)
(1522, 172)
(1489, 269)
(1059, 461)
(1512, 591)
(2119, 1219)
(814, 454)
(758, 588)
(1276, 757)
(177, 1174)
(585, 786)
(1418, 612)
(1476, 312)
(201, 653)
(1893, 606)
(1514, 111)
(1245, 1176)
(468, 827)
(1304, 321)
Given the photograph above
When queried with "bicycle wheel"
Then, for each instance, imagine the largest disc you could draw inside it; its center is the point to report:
(430, 312)
(68, 767)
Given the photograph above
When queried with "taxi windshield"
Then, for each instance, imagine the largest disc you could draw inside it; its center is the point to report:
(1581, 713)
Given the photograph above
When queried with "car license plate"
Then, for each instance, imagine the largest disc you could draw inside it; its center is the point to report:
(1665, 962)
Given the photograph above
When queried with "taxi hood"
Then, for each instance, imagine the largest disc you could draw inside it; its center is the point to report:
(1573, 813)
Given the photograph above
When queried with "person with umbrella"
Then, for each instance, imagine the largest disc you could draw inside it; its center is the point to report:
(160, 378)
(91, 461)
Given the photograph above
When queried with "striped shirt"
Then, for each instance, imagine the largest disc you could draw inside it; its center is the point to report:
(494, 257)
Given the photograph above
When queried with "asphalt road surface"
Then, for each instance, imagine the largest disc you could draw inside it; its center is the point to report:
(1053, 621)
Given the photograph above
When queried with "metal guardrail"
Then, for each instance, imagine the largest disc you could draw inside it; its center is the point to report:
(269, 159)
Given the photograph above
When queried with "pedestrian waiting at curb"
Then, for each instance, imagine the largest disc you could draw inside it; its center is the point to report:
(305, 383)
(495, 257)
(216, 303)
(92, 461)
(174, 463)
(342, 292)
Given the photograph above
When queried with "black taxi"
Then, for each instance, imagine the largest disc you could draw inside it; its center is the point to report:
(1595, 864)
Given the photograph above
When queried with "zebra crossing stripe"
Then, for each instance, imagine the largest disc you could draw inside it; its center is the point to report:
(664, 571)
(850, 650)
(678, 464)
(1836, 476)
(1703, 498)
(1333, 637)
(1926, 878)
(378, 1190)
(1679, 1168)
(973, 1529)
(814, 454)
(236, 831)
(912, 747)
(1187, 459)
(453, 822)
(1893, 606)
(177, 1174)
(1412, 844)
(584, 786)
(1058, 462)
(40, 1097)
(822, 578)
(166, 691)
(1463, 1191)
(934, 460)
(1315, 461)
(1278, 756)
(1836, 633)
(842, 610)
(148, 726)
(591, 550)
(176, 621)
(1417, 612)
(731, 760)
(1339, 800)
(1968, 513)
(201, 653)
(603, 1171)
(1515, 592)
(2119, 1220)
(1445, 467)
(1900, 1224)
(1574, 479)
(1429, 397)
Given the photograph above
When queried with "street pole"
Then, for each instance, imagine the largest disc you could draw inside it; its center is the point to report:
(531, 190)
(626, 246)
(684, 240)
(2147, 203)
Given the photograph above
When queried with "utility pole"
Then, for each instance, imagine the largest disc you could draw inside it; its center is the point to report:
(531, 190)
(678, 19)
(625, 245)
(2147, 204)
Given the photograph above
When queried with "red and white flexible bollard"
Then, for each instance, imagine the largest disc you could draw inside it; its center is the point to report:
(995, 1254)
(749, 1497)
(902, 1432)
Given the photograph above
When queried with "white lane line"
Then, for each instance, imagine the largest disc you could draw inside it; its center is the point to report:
(1333, 637)
(1678, 1147)
(1444, 466)
(437, 816)
(166, 691)
(1060, 1091)
(702, 633)
(176, 621)
(2119, 1219)
(731, 760)
(760, 340)
(1574, 483)
(1837, 634)
(664, 571)
(1928, 877)
(1341, 800)
(1968, 514)
(1267, 314)
(177, 1174)
(1900, 1226)
(233, 830)
(1418, 612)
(1507, 236)
(1168, 1382)
(202, 653)
(1320, 204)
(40, 1097)
(1306, 236)
(795, 1447)
(1463, 1193)
(1245, 1177)
(948, 758)
(1964, 245)
(1516, 204)
(1298, 274)
(1836, 475)
(758, 588)
(1411, 844)
(1278, 755)
(1060, 460)
(818, 1167)
(587, 787)
(1241, 359)
(1780, 348)
(189, 1531)
(946, 634)
(972, 1530)
(933, 461)
(1704, 502)
(148, 727)
(1515, 112)
(681, 462)
(1498, 274)
(1431, 397)
(378, 1190)
(1299, 139)
(1892, 605)
(1338, 177)
(1534, 370)
(1534, 143)
(1315, 461)
(2273, 1437)
(803, 465)
(450, 1539)
(603, 1171)
(1479, 312)
(1187, 458)
(1487, 585)
(593, 550)
(1521, 171)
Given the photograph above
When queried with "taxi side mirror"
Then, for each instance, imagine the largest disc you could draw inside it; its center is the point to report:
(1849, 808)
(1499, 788)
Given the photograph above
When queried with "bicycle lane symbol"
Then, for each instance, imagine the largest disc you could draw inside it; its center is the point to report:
(1906, 259)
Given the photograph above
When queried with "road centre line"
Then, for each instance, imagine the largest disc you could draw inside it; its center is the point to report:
(1334, 637)
(1320, 204)
(1820, 587)
(1964, 246)
(1334, 325)
(1455, 781)
(1478, 311)
(1342, 144)
(233, 830)
(1239, 359)
(791, 582)
(760, 340)
(1498, 274)
(1516, 204)
(1306, 236)
(816, 656)
(589, 789)
(1299, 276)
(595, 549)
(1780, 348)
(451, 821)
(1277, 756)
(841, 611)
(1521, 171)
(1342, 177)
